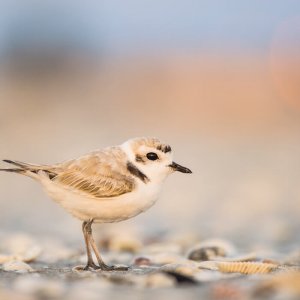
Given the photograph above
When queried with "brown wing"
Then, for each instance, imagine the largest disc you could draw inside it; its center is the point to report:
(99, 174)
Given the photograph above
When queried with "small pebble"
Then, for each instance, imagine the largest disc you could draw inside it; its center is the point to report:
(142, 261)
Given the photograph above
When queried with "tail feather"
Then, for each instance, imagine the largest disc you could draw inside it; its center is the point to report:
(28, 169)
(20, 164)
(21, 169)
(13, 170)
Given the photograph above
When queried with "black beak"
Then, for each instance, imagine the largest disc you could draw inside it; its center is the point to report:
(179, 168)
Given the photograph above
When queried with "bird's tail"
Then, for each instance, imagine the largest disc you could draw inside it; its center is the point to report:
(14, 170)
(25, 168)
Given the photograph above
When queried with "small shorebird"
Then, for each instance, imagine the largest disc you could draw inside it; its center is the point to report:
(105, 186)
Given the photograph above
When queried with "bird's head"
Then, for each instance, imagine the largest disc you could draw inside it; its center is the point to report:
(152, 158)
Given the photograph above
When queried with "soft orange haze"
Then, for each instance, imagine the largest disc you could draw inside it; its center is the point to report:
(222, 114)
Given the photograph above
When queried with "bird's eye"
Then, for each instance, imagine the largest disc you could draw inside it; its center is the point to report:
(152, 156)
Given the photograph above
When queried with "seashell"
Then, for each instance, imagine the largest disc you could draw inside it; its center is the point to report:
(246, 267)
(206, 253)
(208, 265)
(209, 276)
(20, 247)
(190, 273)
(210, 249)
(184, 269)
(17, 266)
(183, 273)
(242, 258)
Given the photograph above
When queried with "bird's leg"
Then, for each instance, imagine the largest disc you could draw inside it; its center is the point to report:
(92, 242)
(90, 262)
(102, 265)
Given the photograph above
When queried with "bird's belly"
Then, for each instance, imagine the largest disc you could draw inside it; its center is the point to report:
(105, 210)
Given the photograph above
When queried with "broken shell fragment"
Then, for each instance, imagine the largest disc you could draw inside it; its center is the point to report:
(246, 267)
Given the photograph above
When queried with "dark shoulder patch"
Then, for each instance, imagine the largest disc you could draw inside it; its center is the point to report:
(136, 172)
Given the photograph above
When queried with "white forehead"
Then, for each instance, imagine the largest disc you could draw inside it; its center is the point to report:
(132, 148)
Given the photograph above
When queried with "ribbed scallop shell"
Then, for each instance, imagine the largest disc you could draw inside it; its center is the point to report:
(246, 267)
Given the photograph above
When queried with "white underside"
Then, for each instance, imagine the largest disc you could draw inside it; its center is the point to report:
(102, 210)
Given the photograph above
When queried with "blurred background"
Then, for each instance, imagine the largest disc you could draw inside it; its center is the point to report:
(218, 80)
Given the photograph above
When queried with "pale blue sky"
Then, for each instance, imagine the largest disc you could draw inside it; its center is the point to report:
(116, 26)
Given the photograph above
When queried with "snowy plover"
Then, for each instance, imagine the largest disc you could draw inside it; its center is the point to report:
(109, 185)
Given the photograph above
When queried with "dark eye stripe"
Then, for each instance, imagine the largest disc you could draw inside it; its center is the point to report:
(139, 158)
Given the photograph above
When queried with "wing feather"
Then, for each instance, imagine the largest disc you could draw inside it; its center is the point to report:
(99, 174)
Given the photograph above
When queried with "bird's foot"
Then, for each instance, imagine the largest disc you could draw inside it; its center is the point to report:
(104, 267)
(88, 267)
(91, 266)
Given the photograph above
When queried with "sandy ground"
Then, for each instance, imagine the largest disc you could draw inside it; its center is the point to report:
(163, 268)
